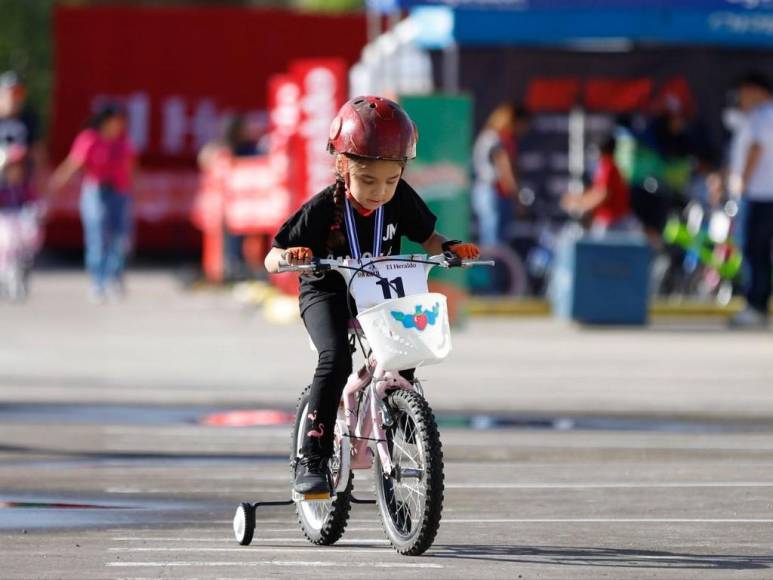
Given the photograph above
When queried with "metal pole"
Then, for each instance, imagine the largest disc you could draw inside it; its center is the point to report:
(576, 150)
(451, 68)
(374, 24)
(393, 19)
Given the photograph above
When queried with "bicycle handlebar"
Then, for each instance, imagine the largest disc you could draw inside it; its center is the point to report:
(322, 264)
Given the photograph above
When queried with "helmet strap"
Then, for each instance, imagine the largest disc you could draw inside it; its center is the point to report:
(355, 204)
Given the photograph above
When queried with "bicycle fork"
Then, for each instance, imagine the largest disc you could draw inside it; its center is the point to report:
(368, 422)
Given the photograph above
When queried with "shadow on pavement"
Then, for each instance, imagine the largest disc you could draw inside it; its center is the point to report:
(606, 557)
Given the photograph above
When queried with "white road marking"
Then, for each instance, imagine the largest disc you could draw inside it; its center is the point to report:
(256, 539)
(558, 520)
(206, 490)
(637, 485)
(646, 445)
(245, 550)
(641, 485)
(611, 521)
(327, 564)
(292, 528)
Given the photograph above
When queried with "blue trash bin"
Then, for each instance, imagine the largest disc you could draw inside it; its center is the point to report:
(601, 280)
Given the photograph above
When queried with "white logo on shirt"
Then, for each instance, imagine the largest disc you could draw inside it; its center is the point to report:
(391, 230)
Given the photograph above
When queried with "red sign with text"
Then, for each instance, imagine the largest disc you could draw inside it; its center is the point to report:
(322, 86)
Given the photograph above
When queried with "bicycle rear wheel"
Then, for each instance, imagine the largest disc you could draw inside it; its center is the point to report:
(410, 500)
(323, 521)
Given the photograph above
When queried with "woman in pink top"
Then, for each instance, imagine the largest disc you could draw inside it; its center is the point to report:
(104, 153)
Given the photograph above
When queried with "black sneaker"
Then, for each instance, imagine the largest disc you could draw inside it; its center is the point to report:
(311, 476)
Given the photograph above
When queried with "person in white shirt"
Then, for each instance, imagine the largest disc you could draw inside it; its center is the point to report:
(756, 182)
(495, 191)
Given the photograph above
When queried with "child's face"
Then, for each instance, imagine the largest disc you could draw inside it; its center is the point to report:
(373, 183)
(13, 174)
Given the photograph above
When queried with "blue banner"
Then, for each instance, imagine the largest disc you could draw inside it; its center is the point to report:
(547, 27)
(750, 5)
(563, 22)
(383, 6)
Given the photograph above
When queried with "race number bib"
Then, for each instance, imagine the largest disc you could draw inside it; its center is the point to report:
(393, 280)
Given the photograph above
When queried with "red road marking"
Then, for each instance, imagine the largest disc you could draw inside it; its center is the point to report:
(248, 418)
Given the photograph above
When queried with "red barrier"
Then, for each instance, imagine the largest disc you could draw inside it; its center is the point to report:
(254, 195)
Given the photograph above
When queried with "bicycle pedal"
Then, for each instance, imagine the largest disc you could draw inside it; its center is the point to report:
(324, 496)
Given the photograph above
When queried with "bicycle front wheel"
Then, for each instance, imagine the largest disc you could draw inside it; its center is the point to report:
(410, 499)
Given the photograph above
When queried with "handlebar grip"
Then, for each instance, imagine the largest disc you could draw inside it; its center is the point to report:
(315, 266)
(469, 263)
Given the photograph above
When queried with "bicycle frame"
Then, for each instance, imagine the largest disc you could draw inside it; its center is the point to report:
(365, 426)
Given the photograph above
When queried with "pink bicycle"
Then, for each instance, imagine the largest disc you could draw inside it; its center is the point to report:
(405, 326)
(21, 237)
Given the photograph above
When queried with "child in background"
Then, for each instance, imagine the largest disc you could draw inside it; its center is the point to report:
(20, 231)
(607, 201)
(15, 188)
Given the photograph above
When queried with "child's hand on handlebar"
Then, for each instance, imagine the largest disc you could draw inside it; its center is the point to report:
(297, 256)
(465, 250)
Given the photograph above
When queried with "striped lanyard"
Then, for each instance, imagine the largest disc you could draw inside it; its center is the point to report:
(351, 231)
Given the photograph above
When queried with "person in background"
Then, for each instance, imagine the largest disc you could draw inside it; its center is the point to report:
(15, 188)
(736, 122)
(655, 156)
(705, 185)
(495, 191)
(607, 201)
(106, 157)
(19, 126)
(237, 140)
(20, 221)
(756, 185)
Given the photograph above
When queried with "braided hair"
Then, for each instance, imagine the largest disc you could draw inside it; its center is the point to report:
(335, 238)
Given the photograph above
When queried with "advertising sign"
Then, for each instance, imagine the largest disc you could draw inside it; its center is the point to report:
(322, 92)
(440, 174)
(257, 199)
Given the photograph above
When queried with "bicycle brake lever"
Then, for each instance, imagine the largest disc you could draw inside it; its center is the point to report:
(452, 259)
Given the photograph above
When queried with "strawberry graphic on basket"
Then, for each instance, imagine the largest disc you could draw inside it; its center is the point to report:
(419, 319)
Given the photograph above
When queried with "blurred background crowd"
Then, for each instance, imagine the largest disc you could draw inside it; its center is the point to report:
(188, 131)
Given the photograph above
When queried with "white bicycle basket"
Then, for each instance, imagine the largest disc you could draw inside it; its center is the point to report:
(408, 332)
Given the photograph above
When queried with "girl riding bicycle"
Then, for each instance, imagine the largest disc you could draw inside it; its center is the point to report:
(364, 213)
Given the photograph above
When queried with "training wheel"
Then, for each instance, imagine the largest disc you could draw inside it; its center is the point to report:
(244, 523)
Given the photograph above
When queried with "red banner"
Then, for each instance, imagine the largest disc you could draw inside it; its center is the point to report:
(180, 71)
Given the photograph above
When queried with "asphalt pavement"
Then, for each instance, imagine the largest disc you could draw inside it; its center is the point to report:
(570, 452)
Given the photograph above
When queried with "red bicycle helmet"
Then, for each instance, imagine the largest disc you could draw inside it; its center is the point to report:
(374, 128)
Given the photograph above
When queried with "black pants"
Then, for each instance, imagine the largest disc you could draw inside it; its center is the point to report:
(327, 323)
(757, 249)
